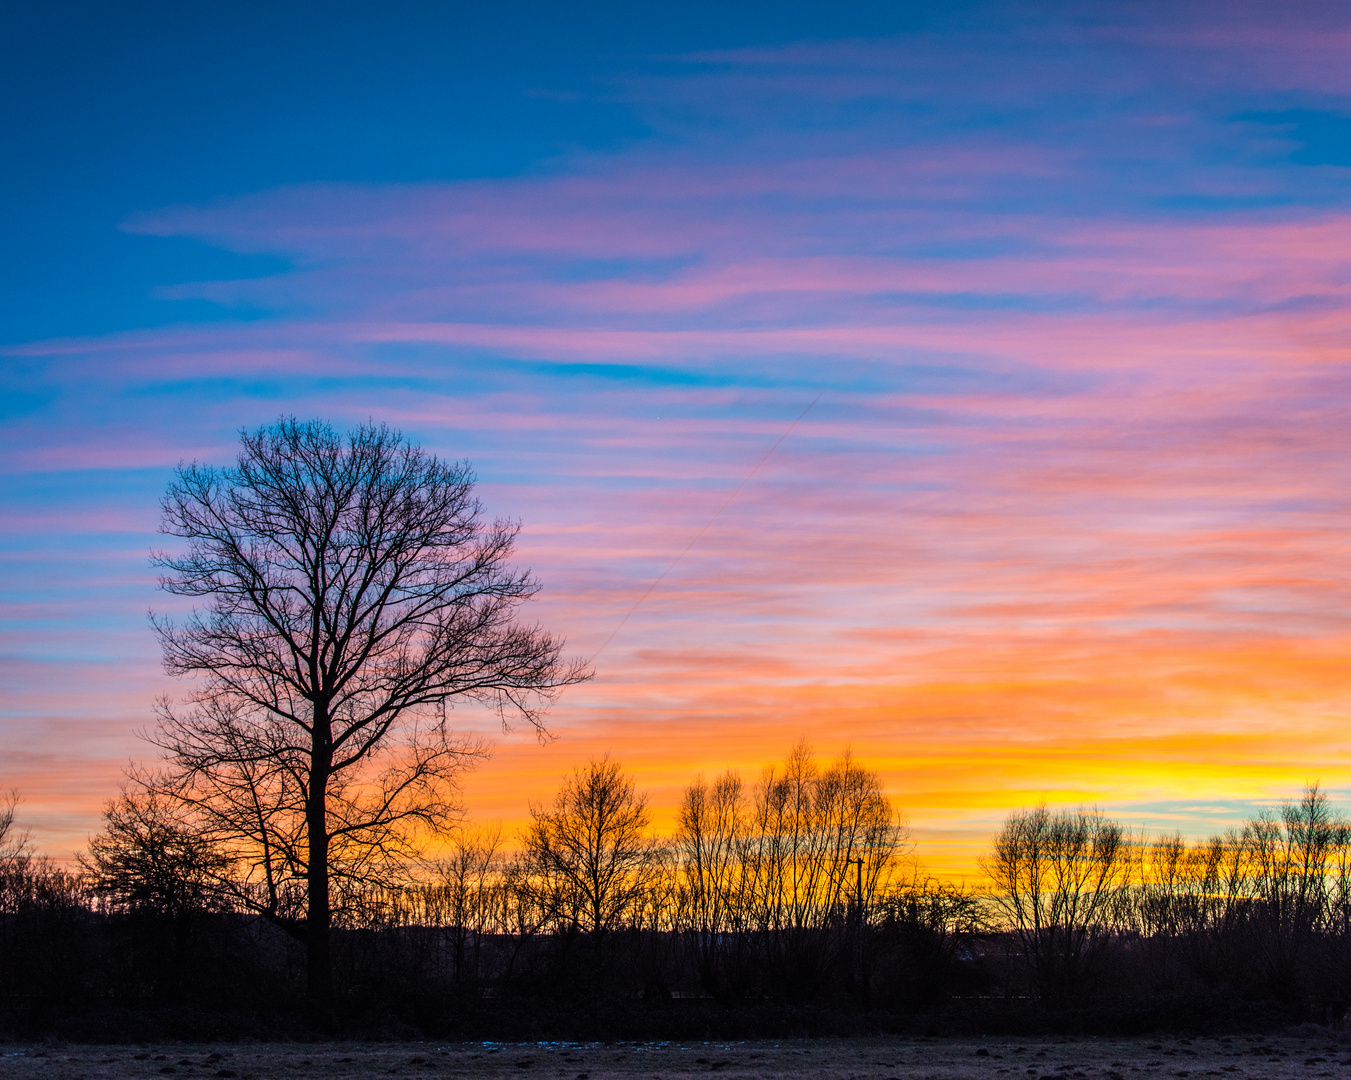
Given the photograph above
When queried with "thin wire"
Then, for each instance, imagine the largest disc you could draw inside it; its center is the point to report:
(700, 534)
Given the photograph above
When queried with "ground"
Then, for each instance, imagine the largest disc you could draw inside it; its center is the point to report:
(1305, 1053)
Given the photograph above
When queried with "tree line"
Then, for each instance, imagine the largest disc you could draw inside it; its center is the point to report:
(798, 891)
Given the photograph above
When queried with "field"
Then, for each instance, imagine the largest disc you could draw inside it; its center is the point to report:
(1304, 1053)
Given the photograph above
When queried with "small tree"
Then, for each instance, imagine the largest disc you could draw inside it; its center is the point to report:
(821, 842)
(930, 924)
(710, 844)
(590, 849)
(1290, 856)
(353, 592)
(15, 855)
(461, 896)
(1059, 880)
(44, 950)
(149, 860)
(12, 844)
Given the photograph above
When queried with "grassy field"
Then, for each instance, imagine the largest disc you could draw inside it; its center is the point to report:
(1304, 1053)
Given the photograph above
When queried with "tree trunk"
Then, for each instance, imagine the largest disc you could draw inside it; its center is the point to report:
(319, 963)
(319, 915)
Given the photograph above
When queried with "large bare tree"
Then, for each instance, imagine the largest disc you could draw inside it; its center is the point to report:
(352, 592)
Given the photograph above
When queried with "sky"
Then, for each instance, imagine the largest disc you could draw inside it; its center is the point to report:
(965, 385)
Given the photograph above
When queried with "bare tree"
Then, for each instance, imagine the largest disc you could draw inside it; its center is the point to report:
(527, 908)
(710, 846)
(13, 844)
(460, 897)
(149, 859)
(1059, 879)
(819, 839)
(15, 855)
(354, 592)
(821, 842)
(590, 849)
(1290, 857)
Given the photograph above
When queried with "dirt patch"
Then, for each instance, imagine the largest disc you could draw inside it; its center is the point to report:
(1322, 1055)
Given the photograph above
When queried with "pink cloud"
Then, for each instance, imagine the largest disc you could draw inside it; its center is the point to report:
(1074, 487)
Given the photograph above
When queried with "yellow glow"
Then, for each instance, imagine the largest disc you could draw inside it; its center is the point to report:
(1240, 721)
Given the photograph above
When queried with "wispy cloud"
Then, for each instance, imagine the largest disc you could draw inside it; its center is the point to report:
(1068, 519)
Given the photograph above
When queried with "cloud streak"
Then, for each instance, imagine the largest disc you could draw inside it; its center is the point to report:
(1068, 518)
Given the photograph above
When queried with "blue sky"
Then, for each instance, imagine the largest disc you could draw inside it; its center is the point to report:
(113, 109)
(1063, 289)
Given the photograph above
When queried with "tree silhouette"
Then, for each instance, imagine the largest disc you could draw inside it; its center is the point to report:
(353, 592)
(590, 848)
(149, 859)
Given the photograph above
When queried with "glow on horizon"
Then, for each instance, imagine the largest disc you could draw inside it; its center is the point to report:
(1069, 520)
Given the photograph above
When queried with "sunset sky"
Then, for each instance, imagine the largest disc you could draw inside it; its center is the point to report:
(1041, 313)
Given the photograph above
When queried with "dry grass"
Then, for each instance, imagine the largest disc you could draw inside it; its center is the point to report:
(1302, 1054)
